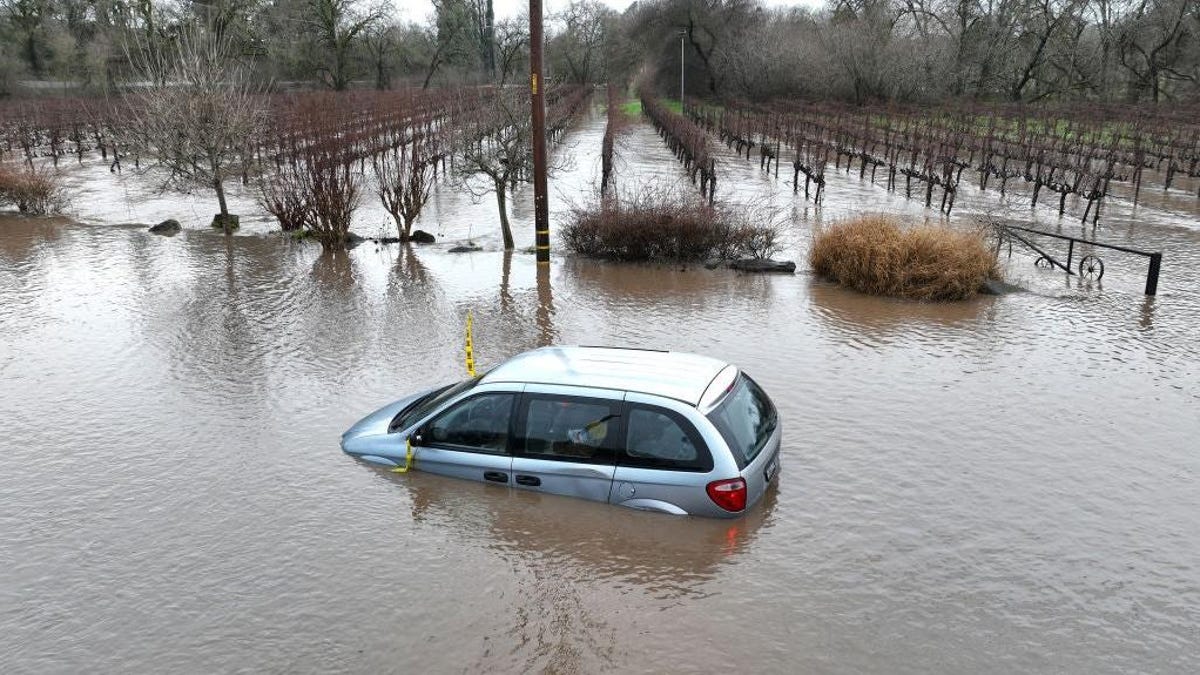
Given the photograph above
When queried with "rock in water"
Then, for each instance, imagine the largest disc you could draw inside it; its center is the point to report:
(219, 222)
(764, 265)
(998, 287)
(167, 227)
(421, 237)
(465, 248)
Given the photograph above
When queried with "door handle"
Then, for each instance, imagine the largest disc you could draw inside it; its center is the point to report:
(528, 480)
(495, 476)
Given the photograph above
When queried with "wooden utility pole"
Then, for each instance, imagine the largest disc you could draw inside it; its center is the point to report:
(541, 212)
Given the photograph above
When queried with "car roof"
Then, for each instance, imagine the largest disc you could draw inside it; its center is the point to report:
(677, 375)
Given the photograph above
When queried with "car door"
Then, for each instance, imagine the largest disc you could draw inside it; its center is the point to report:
(663, 462)
(470, 438)
(565, 441)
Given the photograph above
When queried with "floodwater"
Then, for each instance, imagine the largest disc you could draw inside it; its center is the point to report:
(1002, 485)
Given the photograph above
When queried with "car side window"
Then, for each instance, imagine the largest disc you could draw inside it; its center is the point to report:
(570, 429)
(479, 423)
(662, 439)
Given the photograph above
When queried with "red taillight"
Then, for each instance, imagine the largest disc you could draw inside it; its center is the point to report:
(728, 494)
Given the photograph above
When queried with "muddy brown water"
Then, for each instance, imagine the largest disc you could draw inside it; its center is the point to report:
(1006, 484)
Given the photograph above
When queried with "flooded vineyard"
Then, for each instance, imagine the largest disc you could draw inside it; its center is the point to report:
(1004, 484)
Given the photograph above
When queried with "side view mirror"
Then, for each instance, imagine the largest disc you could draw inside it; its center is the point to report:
(417, 438)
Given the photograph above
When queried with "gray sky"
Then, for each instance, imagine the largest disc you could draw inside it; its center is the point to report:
(419, 10)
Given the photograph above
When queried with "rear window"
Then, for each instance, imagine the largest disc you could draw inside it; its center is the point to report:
(746, 420)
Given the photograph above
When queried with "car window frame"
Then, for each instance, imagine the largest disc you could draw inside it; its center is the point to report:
(609, 448)
(759, 442)
(426, 432)
(624, 459)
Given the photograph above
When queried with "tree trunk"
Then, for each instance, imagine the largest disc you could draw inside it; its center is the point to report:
(226, 220)
(505, 230)
(433, 66)
(35, 64)
(381, 79)
(339, 69)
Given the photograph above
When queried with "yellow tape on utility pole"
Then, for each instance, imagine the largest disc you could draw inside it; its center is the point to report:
(470, 349)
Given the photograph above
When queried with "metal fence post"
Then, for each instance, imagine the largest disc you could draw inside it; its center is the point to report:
(1152, 274)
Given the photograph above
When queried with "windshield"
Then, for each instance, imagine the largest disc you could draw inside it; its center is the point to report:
(421, 407)
(746, 420)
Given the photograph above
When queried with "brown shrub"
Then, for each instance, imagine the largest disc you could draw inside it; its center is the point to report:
(874, 254)
(333, 196)
(657, 225)
(32, 191)
(284, 194)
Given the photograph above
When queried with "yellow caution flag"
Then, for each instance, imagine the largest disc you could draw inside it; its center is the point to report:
(408, 458)
(470, 349)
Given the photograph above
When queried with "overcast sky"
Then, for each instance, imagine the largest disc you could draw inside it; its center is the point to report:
(419, 10)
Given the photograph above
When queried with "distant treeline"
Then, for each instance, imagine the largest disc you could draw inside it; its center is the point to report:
(926, 50)
(96, 46)
(854, 50)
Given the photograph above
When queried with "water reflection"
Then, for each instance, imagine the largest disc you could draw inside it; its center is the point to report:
(409, 267)
(1146, 320)
(21, 235)
(547, 335)
(333, 270)
(665, 556)
(855, 315)
(634, 283)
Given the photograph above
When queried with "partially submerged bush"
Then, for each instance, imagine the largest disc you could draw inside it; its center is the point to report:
(284, 194)
(314, 197)
(333, 196)
(658, 226)
(32, 191)
(874, 254)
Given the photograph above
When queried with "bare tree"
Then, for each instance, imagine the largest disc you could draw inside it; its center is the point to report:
(498, 146)
(198, 121)
(512, 46)
(1042, 23)
(381, 40)
(337, 25)
(404, 180)
(333, 193)
(577, 47)
(1153, 43)
(283, 193)
(30, 22)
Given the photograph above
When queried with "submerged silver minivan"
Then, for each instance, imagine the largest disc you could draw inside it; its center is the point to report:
(660, 431)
